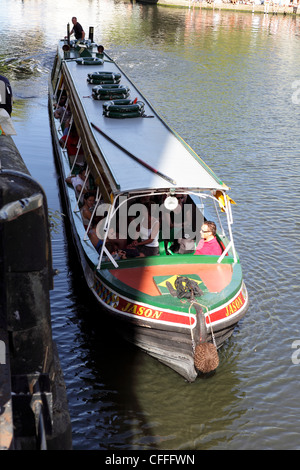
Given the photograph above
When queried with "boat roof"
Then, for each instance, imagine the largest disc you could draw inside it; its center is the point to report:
(148, 138)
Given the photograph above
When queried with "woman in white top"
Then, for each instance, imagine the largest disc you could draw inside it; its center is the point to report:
(149, 232)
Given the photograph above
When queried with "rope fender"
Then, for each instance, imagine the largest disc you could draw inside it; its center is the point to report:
(89, 61)
(111, 91)
(99, 78)
(123, 108)
(206, 357)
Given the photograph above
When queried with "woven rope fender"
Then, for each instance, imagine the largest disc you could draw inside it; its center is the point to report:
(123, 109)
(206, 358)
(109, 92)
(89, 61)
(99, 78)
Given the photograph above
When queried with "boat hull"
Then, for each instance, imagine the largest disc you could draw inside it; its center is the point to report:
(165, 335)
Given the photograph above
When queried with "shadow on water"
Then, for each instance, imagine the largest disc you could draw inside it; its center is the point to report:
(105, 374)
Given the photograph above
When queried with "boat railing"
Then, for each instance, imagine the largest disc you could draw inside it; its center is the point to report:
(77, 208)
(97, 202)
(103, 248)
(229, 223)
(116, 207)
(63, 116)
(229, 218)
(76, 156)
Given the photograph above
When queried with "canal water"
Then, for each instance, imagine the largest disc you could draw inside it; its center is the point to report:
(228, 82)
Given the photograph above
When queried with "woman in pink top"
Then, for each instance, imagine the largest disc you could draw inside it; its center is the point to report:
(208, 244)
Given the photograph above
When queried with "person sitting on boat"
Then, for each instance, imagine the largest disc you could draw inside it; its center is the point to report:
(62, 101)
(71, 143)
(113, 243)
(92, 233)
(79, 181)
(149, 231)
(87, 208)
(100, 50)
(62, 113)
(77, 29)
(208, 244)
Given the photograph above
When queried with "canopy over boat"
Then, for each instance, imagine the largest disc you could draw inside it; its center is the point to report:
(148, 138)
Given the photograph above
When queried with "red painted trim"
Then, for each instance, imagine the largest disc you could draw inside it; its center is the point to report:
(153, 314)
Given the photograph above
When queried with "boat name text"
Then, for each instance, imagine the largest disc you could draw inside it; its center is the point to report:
(142, 311)
(234, 305)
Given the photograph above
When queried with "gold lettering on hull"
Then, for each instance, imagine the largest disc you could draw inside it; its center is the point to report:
(141, 311)
(234, 305)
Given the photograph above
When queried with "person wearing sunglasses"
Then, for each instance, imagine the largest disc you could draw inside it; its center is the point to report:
(208, 244)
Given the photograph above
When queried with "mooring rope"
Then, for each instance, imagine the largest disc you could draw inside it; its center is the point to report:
(191, 329)
(212, 332)
(188, 291)
(210, 323)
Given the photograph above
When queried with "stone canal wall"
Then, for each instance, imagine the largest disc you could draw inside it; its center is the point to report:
(34, 409)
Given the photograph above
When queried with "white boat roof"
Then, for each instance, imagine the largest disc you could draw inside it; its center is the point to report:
(147, 138)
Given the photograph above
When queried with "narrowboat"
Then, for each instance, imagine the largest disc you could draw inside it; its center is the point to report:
(149, 197)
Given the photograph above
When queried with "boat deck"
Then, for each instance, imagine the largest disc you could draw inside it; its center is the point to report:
(151, 280)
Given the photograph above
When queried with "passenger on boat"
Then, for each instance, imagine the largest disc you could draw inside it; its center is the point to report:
(97, 242)
(118, 253)
(71, 143)
(113, 239)
(125, 242)
(113, 244)
(66, 127)
(77, 29)
(78, 182)
(62, 113)
(149, 231)
(100, 51)
(186, 244)
(87, 208)
(208, 244)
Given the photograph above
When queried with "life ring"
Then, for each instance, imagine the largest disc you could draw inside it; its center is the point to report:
(89, 61)
(123, 109)
(99, 78)
(110, 91)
